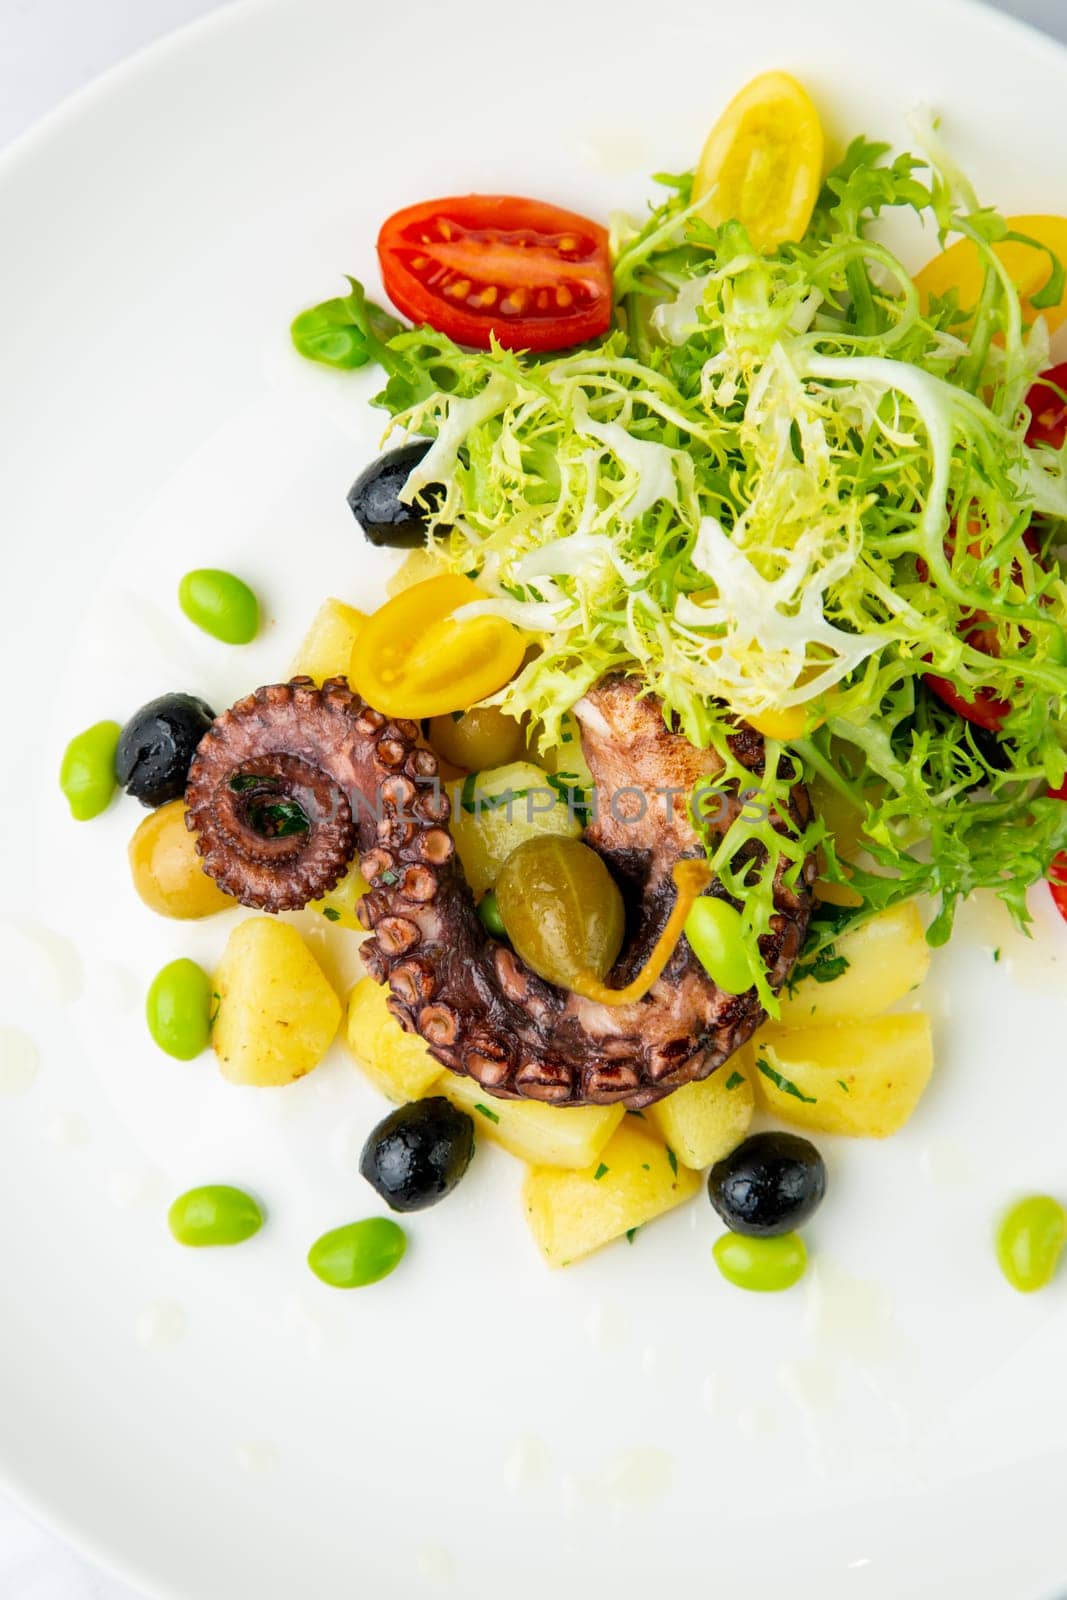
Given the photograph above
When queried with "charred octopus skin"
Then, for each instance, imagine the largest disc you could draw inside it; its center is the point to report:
(366, 784)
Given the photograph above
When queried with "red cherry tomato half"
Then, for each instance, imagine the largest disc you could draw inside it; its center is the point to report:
(1057, 882)
(1057, 878)
(537, 277)
(1048, 410)
(986, 710)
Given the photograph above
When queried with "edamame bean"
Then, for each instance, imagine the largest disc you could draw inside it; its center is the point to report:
(489, 912)
(1030, 1239)
(87, 773)
(214, 1214)
(178, 1009)
(221, 604)
(361, 1253)
(765, 1265)
(713, 928)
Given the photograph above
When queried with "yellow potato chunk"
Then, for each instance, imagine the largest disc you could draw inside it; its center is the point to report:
(543, 1135)
(887, 958)
(702, 1122)
(494, 812)
(327, 648)
(566, 759)
(415, 568)
(859, 1078)
(277, 1013)
(339, 905)
(397, 1063)
(633, 1180)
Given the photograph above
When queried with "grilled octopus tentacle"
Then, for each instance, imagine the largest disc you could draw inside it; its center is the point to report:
(367, 784)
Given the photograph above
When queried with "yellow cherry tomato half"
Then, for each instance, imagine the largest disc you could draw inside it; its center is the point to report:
(960, 267)
(414, 659)
(762, 163)
(781, 725)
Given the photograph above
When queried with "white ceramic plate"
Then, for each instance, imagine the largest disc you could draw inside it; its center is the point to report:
(221, 1425)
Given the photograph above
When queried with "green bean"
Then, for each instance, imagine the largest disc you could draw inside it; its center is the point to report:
(713, 929)
(489, 912)
(358, 1254)
(765, 1265)
(87, 773)
(1030, 1239)
(220, 604)
(178, 1009)
(214, 1214)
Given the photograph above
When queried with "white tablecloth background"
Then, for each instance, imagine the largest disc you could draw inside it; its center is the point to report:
(49, 48)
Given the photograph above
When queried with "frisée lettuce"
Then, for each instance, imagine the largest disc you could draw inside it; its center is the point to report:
(783, 483)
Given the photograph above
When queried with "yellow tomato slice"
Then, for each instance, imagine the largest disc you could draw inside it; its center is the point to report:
(960, 267)
(781, 725)
(413, 659)
(762, 163)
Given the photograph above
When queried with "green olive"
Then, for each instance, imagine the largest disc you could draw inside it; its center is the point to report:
(476, 739)
(221, 604)
(765, 1265)
(714, 931)
(489, 911)
(358, 1254)
(178, 1009)
(87, 773)
(1030, 1239)
(214, 1214)
(561, 908)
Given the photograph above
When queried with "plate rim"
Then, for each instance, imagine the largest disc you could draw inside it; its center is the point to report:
(60, 123)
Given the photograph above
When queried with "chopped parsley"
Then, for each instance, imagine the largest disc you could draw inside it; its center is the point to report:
(474, 801)
(784, 1084)
(824, 967)
(331, 914)
(735, 1080)
(388, 876)
(631, 1234)
(673, 1159)
(600, 1171)
(841, 1084)
(485, 1111)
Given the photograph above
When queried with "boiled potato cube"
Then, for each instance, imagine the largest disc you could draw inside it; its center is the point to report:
(860, 1078)
(494, 812)
(633, 1180)
(339, 904)
(277, 1013)
(545, 1136)
(416, 567)
(567, 759)
(397, 1063)
(702, 1122)
(327, 649)
(887, 958)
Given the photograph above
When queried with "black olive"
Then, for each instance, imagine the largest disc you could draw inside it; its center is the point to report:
(418, 1153)
(995, 754)
(770, 1184)
(157, 745)
(376, 503)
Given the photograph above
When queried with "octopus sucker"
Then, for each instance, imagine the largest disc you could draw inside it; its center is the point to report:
(294, 782)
